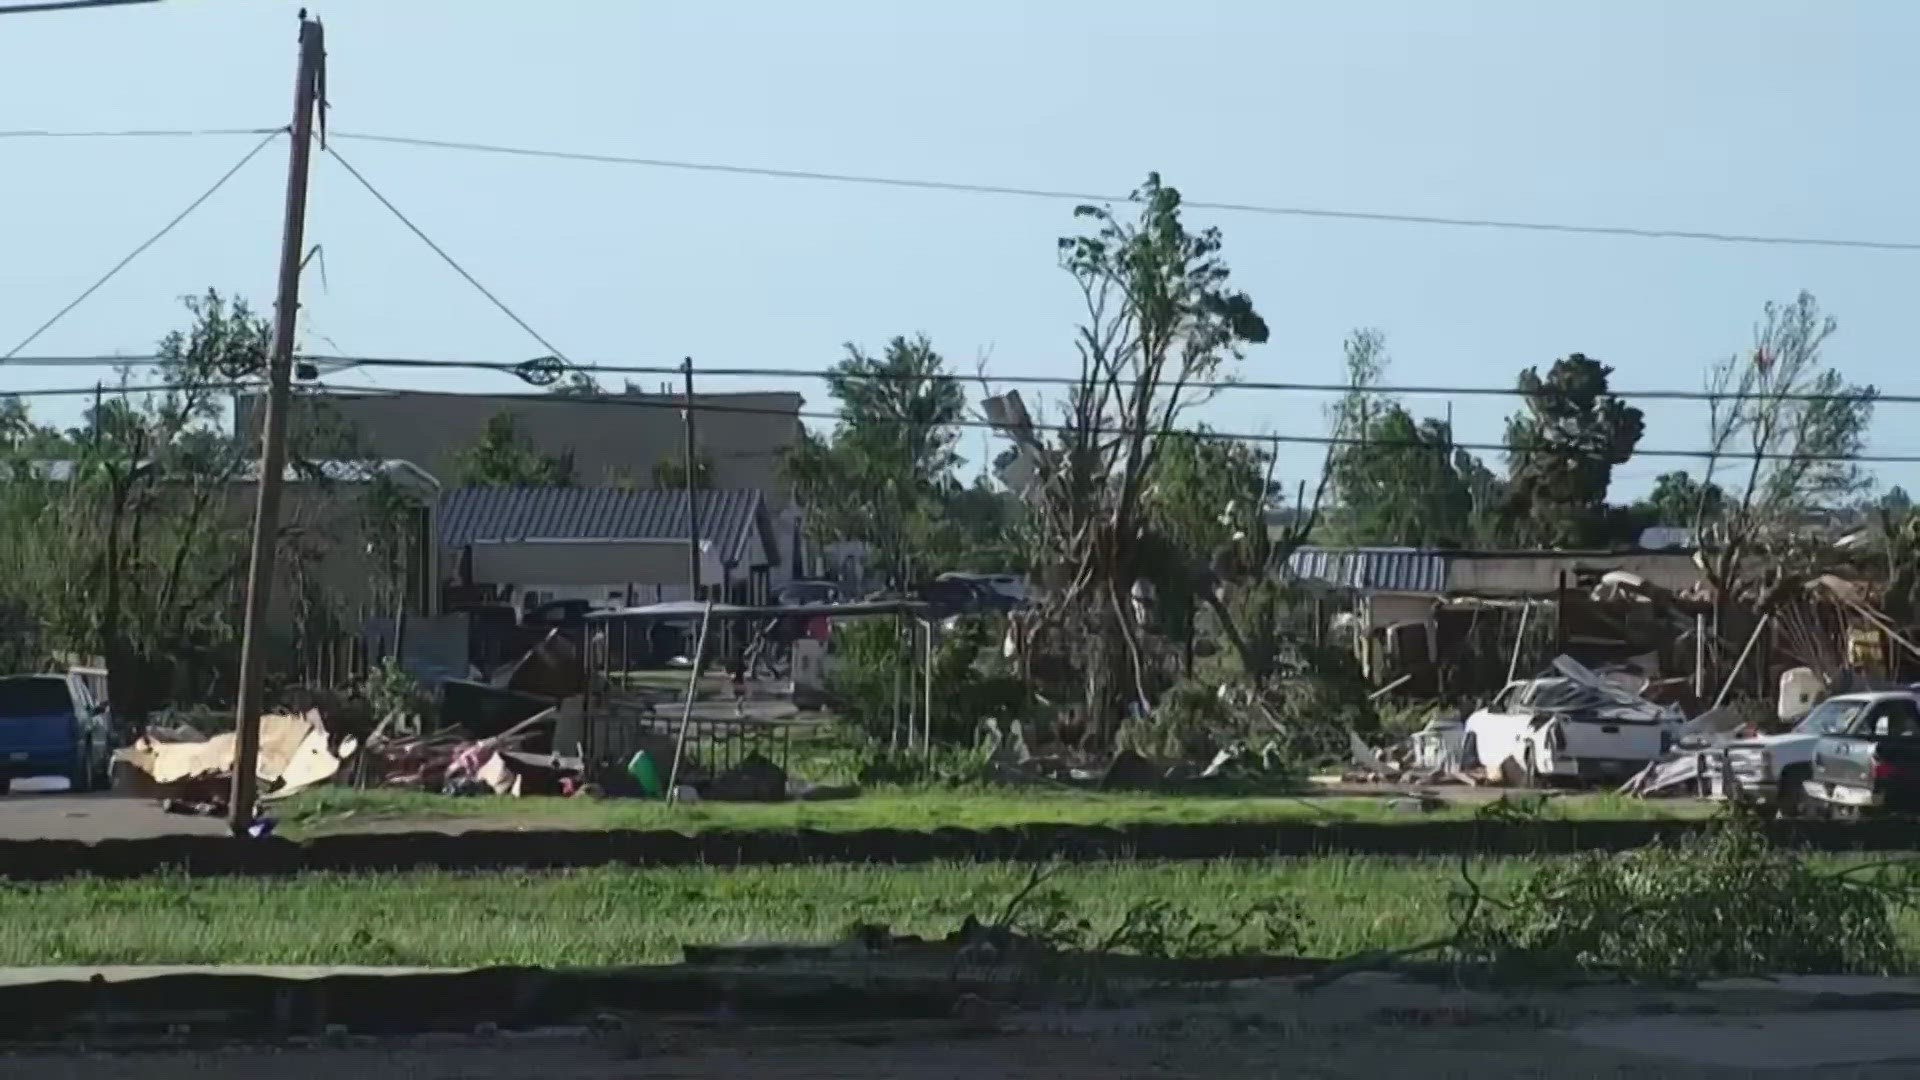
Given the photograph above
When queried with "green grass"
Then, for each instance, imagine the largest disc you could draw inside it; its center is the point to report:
(915, 808)
(645, 916)
(634, 916)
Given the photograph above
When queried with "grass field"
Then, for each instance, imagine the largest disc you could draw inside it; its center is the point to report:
(636, 916)
(913, 808)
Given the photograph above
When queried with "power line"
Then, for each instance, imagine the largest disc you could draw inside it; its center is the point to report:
(448, 259)
(136, 252)
(1063, 381)
(676, 404)
(132, 133)
(989, 378)
(121, 391)
(66, 5)
(960, 187)
(673, 403)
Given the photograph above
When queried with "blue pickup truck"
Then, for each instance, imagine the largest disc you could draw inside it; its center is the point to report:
(52, 725)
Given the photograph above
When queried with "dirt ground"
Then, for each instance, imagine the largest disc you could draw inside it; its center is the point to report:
(1356, 1056)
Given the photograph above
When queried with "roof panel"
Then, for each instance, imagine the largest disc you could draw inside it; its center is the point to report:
(494, 515)
(1374, 569)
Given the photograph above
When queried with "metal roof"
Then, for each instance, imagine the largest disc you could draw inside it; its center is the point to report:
(337, 470)
(1373, 569)
(696, 609)
(482, 515)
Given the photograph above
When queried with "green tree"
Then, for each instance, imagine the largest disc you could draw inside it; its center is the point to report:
(1679, 501)
(502, 457)
(1792, 430)
(119, 538)
(1401, 480)
(1562, 448)
(885, 474)
(1160, 316)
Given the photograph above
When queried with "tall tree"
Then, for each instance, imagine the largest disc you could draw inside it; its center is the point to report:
(502, 457)
(1789, 431)
(119, 536)
(1562, 448)
(885, 472)
(1400, 480)
(1160, 316)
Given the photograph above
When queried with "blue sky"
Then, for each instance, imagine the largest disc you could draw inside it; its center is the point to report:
(1759, 116)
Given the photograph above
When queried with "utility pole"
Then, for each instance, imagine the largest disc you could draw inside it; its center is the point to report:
(693, 505)
(308, 89)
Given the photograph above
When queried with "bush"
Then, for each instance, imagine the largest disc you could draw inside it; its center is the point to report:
(970, 684)
(1188, 722)
(1728, 903)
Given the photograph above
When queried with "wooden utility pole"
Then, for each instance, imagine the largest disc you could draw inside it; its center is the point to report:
(693, 504)
(307, 95)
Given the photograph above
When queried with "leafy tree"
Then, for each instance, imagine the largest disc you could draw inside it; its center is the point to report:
(119, 538)
(1402, 481)
(501, 457)
(884, 475)
(1161, 315)
(1679, 501)
(1895, 502)
(1792, 430)
(1562, 448)
(1200, 481)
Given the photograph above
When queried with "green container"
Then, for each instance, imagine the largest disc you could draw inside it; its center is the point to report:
(646, 774)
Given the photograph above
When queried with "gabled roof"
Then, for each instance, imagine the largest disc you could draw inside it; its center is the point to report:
(483, 515)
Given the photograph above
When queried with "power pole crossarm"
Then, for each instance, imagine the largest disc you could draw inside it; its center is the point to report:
(307, 94)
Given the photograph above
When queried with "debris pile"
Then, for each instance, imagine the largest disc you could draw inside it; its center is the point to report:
(1545, 727)
(296, 753)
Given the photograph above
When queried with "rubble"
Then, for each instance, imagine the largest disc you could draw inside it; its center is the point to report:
(296, 753)
(1481, 748)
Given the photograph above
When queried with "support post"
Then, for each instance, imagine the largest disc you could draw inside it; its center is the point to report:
(273, 454)
(693, 505)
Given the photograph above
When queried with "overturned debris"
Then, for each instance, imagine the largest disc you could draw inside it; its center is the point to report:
(296, 753)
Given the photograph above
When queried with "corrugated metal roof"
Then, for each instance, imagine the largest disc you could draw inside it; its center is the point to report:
(1375, 569)
(493, 515)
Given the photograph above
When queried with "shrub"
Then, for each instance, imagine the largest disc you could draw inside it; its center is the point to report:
(970, 684)
(1726, 903)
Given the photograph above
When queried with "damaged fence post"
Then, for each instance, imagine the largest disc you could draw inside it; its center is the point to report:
(686, 709)
(1752, 640)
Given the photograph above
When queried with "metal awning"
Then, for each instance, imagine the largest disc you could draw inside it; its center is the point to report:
(694, 609)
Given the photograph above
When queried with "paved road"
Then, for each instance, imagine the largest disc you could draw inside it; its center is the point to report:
(102, 816)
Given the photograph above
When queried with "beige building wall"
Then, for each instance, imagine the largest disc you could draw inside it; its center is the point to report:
(1539, 575)
(606, 440)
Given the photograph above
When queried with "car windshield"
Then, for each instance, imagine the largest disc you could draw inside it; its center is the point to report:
(33, 697)
(1829, 717)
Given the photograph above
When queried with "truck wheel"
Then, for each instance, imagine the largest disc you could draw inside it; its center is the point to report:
(1791, 798)
(1530, 768)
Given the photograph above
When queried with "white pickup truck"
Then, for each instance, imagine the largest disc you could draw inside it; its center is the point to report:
(1571, 726)
(1771, 769)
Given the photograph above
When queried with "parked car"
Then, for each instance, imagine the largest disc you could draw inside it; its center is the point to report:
(1564, 728)
(50, 725)
(960, 596)
(1012, 587)
(804, 593)
(1873, 762)
(1773, 770)
(558, 613)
